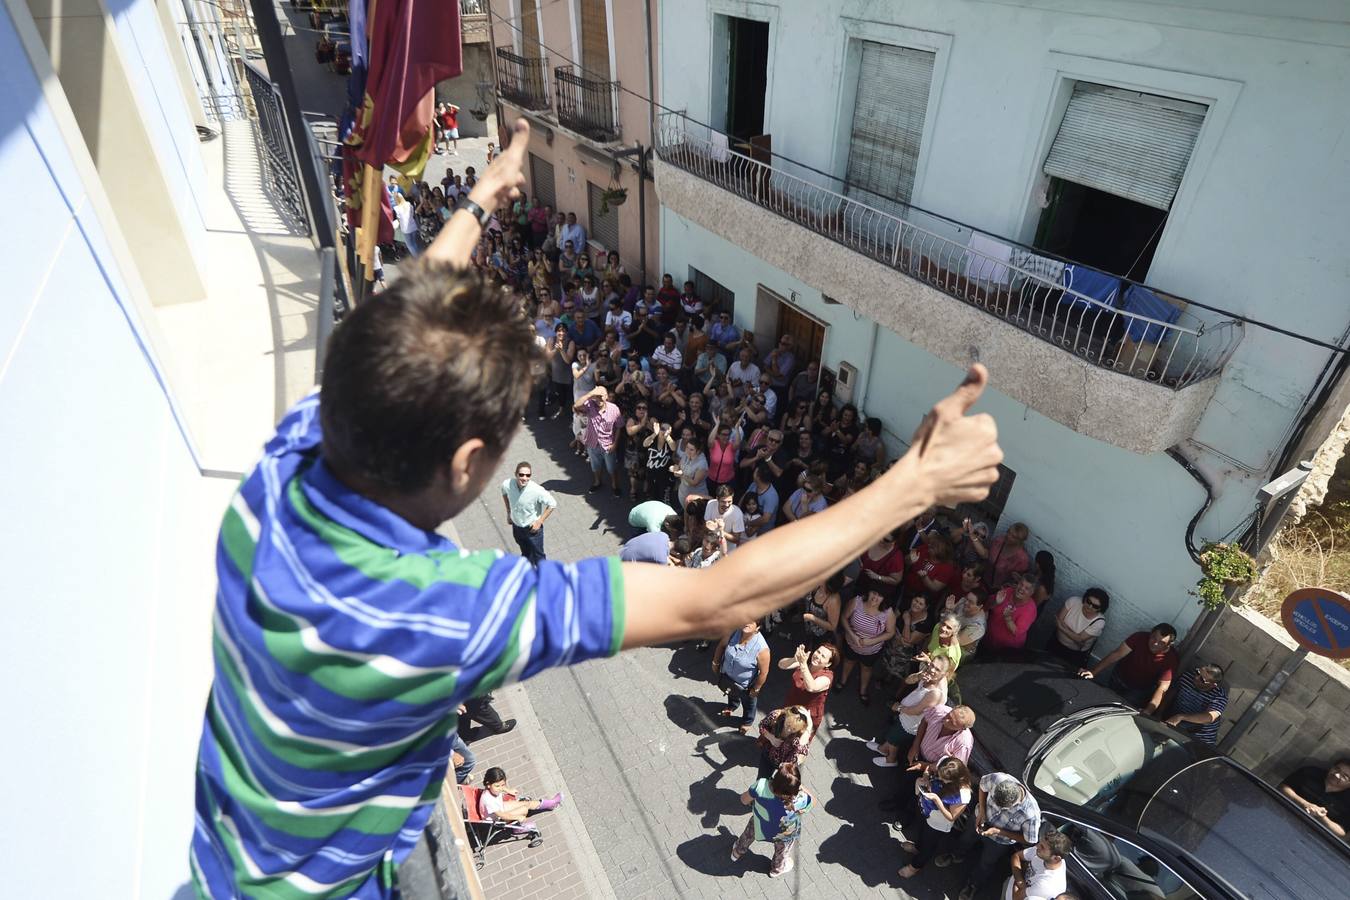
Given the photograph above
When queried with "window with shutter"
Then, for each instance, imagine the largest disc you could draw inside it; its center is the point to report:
(713, 295)
(888, 119)
(1125, 143)
(541, 181)
(529, 29)
(594, 40)
(604, 227)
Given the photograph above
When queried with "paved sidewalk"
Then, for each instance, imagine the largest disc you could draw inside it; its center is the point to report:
(651, 775)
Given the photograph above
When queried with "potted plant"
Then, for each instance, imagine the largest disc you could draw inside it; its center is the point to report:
(612, 197)
(1224, 565)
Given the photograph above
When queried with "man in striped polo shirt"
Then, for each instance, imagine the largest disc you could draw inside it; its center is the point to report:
(347, 632)
(1198, 703)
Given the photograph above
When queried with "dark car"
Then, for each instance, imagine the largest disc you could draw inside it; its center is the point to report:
(1152, 812)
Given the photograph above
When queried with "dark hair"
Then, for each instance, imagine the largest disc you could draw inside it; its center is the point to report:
(1059, 843)
(763, 473)
(873, 424)
(1162, 629)
(697, 320)
(441, 359)
(673, 524)
(524, 463)
(1045, 562)
(1101, 596)
(681, 546)
(724, 491)
(952, 772)
(494, 775)
(786, 782)
(625, 280)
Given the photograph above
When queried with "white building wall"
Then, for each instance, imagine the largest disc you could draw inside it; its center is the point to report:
(1258, 224)
(107, 543)
(166, 114)
(1111, 518)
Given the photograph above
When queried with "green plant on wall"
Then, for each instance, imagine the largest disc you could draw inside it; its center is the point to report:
(1223, 565)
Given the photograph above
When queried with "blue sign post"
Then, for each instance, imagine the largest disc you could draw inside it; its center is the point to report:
(1319, 621)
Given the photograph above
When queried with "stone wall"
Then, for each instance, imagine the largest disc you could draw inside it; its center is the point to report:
(1309, 720)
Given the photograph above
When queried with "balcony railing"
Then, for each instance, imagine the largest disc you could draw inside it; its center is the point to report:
(588, 106)
(473, 7)
(1171, 344)
(522, 80)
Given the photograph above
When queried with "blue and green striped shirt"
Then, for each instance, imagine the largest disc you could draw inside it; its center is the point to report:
(345, 639)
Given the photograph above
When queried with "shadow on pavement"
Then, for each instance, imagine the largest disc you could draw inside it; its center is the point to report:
(711, 854)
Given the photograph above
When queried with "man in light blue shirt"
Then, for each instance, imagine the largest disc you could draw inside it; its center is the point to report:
(527, 507)
(574, 233)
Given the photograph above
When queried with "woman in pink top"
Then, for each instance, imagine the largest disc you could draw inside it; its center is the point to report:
(722, 452)
(1011, 616)
(1007, 555)
(868, 624)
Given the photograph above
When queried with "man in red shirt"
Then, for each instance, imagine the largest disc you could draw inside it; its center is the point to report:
(450, 126)
(1145, 664)
(669, 293)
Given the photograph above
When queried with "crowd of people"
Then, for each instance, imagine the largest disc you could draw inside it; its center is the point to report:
(718, 441)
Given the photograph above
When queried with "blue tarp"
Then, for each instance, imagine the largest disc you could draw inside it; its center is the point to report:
(1090, 283)
(1141, 301)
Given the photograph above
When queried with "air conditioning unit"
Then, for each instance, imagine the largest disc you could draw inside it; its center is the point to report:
(845, 382)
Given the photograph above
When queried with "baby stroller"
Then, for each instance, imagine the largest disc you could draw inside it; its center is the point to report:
(484, 831)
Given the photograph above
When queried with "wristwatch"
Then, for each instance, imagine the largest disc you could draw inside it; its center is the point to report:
(482, 215)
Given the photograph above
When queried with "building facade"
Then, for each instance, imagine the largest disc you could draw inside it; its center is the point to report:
(156, 316)
(579, 71)
(1088, 198)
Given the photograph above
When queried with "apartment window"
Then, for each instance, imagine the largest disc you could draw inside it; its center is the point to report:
(888, 117)
(713, 295)
(595, 40)
(604, 227)
(529, 29)
(1115, 166)
(541, 181)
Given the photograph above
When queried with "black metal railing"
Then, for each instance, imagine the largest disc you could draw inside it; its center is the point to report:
(588, 106)
(473, 7)
(280, 162)
(522, 80)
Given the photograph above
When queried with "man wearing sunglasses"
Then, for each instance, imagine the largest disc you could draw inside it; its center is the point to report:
(528, 505)
(1198, 703)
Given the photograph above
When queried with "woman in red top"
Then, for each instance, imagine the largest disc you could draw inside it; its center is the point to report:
(722, 453)
(932, 569)
(812, 675)
(1011, 616)
(884, 561)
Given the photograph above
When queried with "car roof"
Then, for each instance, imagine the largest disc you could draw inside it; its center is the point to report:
(1018, 699)
(1222, 816)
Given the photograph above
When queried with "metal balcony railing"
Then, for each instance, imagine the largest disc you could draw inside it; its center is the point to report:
(588, 106)
(473, 7)
(522, 80)
(1023, 287)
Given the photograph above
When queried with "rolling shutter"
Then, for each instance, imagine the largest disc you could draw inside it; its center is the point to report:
(541, 181)
(604, 228)
(594, 40)
(1125, 143)
(888, 117)
(529, 29)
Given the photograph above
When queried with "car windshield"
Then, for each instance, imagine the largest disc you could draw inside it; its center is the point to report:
(1220, 815)
(1112, 764)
